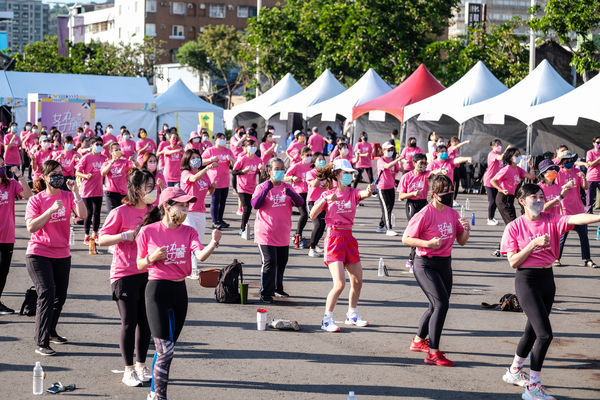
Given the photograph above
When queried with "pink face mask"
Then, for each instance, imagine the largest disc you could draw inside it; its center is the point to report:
(498, 149)
(151, 167)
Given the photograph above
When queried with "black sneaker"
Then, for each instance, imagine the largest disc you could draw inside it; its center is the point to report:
(266, 299)
(217, 226)
(224, 224)
(45, 351)
(56, 339)
(5, 310)
(281, 293)
(496, 253)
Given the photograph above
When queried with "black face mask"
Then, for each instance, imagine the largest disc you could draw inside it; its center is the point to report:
(447, 199)
(365, 138)
(56, 181)
(412, 144)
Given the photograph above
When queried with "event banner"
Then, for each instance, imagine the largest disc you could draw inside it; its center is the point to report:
(65, 112)
(206, 121)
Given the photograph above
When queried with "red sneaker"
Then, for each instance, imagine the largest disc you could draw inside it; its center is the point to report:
(86, 240)
(438, 358)
(422, 346)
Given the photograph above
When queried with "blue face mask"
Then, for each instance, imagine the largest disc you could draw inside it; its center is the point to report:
(444, 156)
(347, 179)
(321, 163)
(517, 159)
(69, 146)
(569, 165)
(97, 149)
(278, 175)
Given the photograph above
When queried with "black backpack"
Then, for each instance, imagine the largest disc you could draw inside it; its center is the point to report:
(227, 290)
(508, 302)
(30, 302)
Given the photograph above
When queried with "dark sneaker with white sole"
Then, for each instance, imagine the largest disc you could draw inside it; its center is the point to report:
(56, 339)
(5, 310)
(45, 351)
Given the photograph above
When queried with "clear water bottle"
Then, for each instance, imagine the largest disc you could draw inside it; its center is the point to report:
(351, 396)
(38, 379)
(467, 205)
(72, 237)
(462, 212)
(381, 268)
(393, 220)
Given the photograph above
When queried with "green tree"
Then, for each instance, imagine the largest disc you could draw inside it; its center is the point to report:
(503, 52)
(573, 23)
(216, 52)
(306, 36)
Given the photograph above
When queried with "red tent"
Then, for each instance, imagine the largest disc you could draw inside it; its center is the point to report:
(420, 85)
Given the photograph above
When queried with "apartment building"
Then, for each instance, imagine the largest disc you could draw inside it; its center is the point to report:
(29, 22)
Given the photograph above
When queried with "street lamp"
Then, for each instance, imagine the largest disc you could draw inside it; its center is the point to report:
(258, 7)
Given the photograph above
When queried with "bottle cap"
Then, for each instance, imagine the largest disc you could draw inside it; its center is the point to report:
(261, 310)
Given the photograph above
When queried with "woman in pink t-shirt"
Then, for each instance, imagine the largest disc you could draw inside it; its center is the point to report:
(89, 171)
(592, 159)
(48, 256)
(494, 164)
(246, 170)
(10, 189)
(127, 145)
(144, 145)
(433, 231)
(41, 154)
(553, 192)
(408, 152)
(274, 200)
(363, 159)
(150, 162)
(531, 243)
(115, 169)
(68, 158)
(164, 248)
(341, 248)
(128, 283)
(163, 142)
(388, 167)
(293, 150)
(223, 157)
(173, 153)
(195, 142)
(12, 145)
(267, 148)
(316, 188)
(297, 175)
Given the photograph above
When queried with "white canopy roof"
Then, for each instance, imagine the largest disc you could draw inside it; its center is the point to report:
(476, 85)
(180, 98)
(369, 87)
(324, 87)
(567, 109)
(283, 89)
(541, 85)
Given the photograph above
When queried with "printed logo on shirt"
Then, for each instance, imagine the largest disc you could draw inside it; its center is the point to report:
(223, 158)
(3, 198)
(278, 200)
(96, 166)
(445, 230)
(542, 248)
(343, 206)
(517, 179)
(116, 171)
(418, 185)
(175, 254)
(58, 216)
(176, 156)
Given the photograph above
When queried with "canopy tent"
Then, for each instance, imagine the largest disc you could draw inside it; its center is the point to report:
(118, 100)
(508, 115)
(180, 107)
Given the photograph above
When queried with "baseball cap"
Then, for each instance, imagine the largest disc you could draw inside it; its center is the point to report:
(343, 164)
(176, 194)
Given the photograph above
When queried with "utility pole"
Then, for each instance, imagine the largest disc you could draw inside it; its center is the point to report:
(258, 7)
(531, 42)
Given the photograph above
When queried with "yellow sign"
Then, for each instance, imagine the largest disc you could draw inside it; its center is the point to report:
(206, 120)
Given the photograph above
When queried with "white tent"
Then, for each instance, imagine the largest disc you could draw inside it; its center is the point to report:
(179, 107)
(119, 100)
(368, 87)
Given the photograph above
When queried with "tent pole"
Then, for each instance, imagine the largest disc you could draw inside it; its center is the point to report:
(529, 138)
(402, 133)
(460, 132)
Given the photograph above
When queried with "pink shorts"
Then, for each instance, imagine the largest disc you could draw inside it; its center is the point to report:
(340, 245)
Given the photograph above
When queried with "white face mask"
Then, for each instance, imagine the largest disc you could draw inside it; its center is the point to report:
(389, 154)
(344, 151)
(205, 138)
(108, 130)
(150, 197)
(252, 149)
(196, 140)
(221, 142)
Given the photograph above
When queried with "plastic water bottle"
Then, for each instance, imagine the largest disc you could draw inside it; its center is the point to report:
(393, 220)
(467, 205)
(598, 233)
(462, 212)
(351, 396)
(72, 237)
(38, 379)
(381, 268)
(473, 219)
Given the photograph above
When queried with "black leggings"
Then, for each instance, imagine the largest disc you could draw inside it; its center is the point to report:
(274, 261)
(535, 290)
(6, 253)
(584, 240)
(491, 192)
(506, 207)
(413, 207)
(303, 215)
(113, 200)
(129, 293)
(26, 164)
(359, 175)
(387, 197)
(245, 198)
(318, 227)
(434, 276)
(460, 174)
(94, 206)
(217, 204)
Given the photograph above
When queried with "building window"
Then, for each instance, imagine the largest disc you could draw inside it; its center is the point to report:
(178, 8)
(150, 5)
(217, 11)
(150, 29)
(15, 30)
(174, 55)
(246, 11)
(15, 6)
(177, 32)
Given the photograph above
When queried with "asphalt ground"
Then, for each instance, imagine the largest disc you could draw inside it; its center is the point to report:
(221, 354)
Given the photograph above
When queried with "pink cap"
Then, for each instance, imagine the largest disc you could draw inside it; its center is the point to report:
(176, 194)
(194, 134)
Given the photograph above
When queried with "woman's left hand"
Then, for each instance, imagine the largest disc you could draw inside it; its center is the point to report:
(216, 235)
(465, 224)
(71, 185)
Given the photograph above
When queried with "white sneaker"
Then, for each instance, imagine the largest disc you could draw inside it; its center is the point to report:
(313, 253)
(355, 319)
(130, 378)
(492, 221)
(456, 204)
(328, 324)
(318, 249)
(390, 232)
(245, 234)
(143, 373)
(536, 392)
(152, 396)
(380, 229)
(518, 379)
(239, 212)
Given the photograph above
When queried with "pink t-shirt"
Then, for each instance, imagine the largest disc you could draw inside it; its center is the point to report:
(141, 144)
(314, 192)
(40, 157)
(299, 170)
(191, 145)
(593, 174)
(161, 158)
(447, 164)
(205, 144)
(158, 176)
(363, 161)
(52, 240)
(340, 213)
(12, 155)
(116, 179)
(294, 150)
(316, 143)
(198, 189)
(127, 148)
(411, 182)
(572, 203)
(180, 243)
(335, 153)
(521, 231)
(247, 182)
(173, 164)
(30, 140)
(493, 166)
(91, 163)
(263, 149)
(7, 210)
(550, 193)
(219, 175)
(430, 223)
(121, 219)
(387, 177)
(509, 178)
(233, 145)
(68, 161)
(407, 154)
(274, 218)
(107, 138)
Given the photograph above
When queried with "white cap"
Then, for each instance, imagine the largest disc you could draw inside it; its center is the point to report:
(344, 165)
(387, 145)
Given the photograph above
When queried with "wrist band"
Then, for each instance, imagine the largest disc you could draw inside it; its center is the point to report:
(124, 235)
(78, 201)
(147, 259)
(215, 242)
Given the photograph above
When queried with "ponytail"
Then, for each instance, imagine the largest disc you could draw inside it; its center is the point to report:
(327, 174)
(39, 185)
